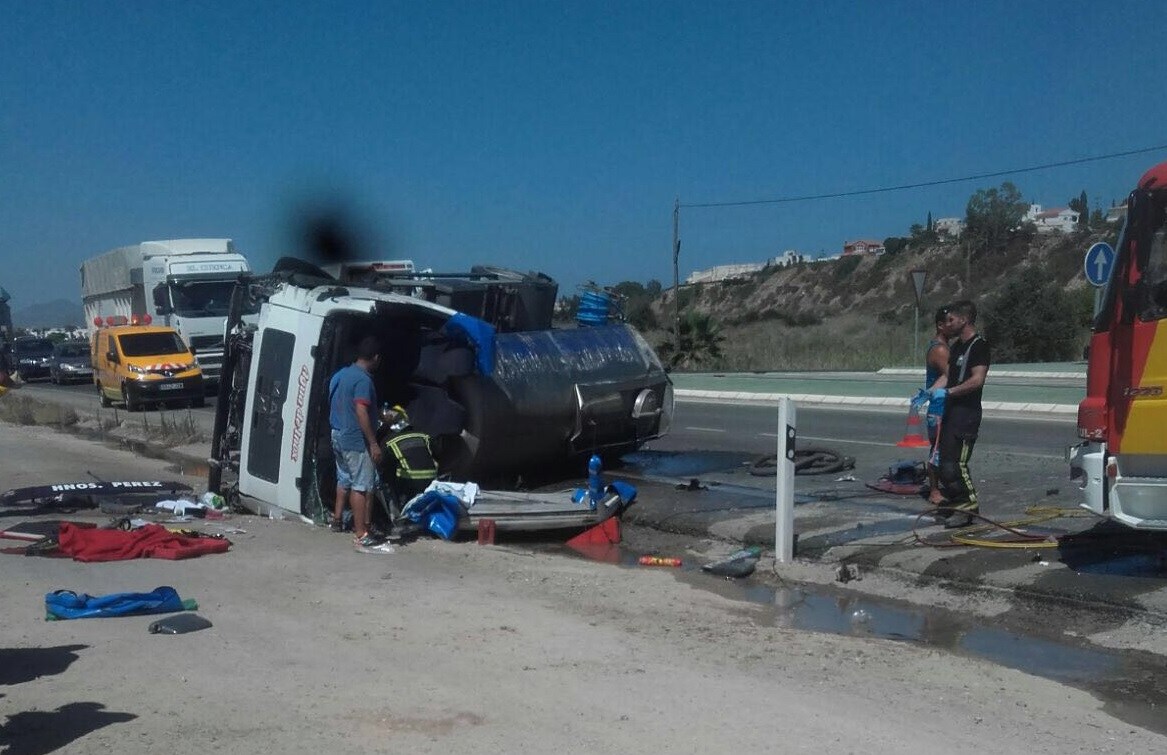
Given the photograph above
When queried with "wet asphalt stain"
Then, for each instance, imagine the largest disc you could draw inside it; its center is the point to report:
(684, 464)
(1131, 684)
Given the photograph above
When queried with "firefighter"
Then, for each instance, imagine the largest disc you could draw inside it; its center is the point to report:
(408, 465)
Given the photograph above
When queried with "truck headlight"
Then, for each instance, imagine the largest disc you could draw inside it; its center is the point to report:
(136, 369)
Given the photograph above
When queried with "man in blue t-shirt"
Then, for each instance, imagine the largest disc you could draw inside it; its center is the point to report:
(352, 416)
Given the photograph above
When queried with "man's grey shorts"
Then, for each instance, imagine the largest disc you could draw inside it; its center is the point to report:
(354, 469)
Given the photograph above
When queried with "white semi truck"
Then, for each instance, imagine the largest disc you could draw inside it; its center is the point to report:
(183, 283)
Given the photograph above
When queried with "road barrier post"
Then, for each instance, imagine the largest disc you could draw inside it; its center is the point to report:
(784, 493)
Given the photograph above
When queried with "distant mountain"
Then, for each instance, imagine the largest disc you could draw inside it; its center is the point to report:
(58, 313)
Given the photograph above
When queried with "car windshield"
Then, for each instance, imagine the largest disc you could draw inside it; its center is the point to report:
(73, 350)
(151, 344)
(206, 299)
(35, 347)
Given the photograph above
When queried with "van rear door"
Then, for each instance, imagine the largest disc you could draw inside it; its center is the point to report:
(275, 418)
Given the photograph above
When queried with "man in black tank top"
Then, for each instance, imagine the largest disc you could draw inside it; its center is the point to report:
(968, 366)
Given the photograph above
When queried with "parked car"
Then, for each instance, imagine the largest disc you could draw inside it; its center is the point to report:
(31, 356)
(71, 363)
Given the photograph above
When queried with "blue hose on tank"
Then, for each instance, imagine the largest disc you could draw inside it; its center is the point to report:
(595, 308)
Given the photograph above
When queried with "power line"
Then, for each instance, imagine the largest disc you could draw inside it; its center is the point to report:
(940, 182)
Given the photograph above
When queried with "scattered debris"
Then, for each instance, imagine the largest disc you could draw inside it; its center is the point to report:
(66, 604)
(658, 561)
(847, 572)
(36, 531)
(381, 548)
(150, 541)
(902, 478)
(180, 623)
(599, 543)
(807, 461)
(73, 491)
(486, 530)
(738, 564)
(692, 486)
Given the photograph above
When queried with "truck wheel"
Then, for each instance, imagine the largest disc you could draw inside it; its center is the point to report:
(133, 404)
(105, 402)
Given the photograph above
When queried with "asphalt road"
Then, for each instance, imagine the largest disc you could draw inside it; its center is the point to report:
(751, 428)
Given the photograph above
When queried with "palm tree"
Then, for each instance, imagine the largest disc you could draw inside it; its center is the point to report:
(700, 342)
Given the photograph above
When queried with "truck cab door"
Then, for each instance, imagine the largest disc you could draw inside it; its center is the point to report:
(276, 411)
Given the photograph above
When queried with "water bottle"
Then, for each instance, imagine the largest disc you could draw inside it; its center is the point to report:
(595, 482)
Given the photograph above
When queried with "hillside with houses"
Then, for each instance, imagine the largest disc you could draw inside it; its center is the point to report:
(857, 309)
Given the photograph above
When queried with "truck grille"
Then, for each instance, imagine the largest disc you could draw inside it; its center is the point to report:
(213, 343)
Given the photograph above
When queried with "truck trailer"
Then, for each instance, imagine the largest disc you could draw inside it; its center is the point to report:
(472, 358)
(183, 283)
(1121, 463)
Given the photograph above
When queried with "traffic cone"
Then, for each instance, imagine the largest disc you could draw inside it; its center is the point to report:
(913, 438)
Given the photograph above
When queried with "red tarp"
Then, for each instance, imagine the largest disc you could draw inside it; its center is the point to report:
(150, 541)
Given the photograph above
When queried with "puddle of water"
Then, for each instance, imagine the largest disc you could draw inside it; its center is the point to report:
(685, 463)
(1039, 657)
(1117, 678)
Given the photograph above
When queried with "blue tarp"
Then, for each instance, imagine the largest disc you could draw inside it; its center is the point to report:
(66, 604)
(480, 334)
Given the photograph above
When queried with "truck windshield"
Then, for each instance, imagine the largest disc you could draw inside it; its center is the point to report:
(151, 344)
(1152, 304)
(202, 299)
(33, 347)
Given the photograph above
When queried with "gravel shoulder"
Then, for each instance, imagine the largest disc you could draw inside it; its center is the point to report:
(461, 648)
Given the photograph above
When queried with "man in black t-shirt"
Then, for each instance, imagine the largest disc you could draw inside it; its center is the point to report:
(968, 366)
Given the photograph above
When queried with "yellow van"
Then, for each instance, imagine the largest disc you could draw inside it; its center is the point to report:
(143, 364)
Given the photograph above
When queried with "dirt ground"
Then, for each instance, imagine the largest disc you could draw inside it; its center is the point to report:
(455, 647)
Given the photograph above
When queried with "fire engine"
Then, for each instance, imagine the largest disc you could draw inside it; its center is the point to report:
(1121, 464)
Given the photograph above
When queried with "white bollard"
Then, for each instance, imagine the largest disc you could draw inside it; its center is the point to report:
(784, 494)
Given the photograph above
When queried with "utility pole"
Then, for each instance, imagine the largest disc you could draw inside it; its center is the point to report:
(677, 274)
(968, 268)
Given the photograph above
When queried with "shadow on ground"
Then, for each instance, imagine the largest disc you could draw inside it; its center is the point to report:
(37, 732)
(19, 665)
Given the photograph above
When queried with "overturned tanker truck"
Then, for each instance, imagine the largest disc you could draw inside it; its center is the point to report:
(472, 357)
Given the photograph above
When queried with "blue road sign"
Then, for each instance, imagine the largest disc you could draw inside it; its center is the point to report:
(1098, 264)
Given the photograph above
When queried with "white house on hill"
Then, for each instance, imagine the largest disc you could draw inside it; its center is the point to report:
(1053, 220)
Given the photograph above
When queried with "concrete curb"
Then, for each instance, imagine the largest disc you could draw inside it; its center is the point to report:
(690, 394)
(909, 372)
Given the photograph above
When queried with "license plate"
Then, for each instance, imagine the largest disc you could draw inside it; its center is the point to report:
(170, 387)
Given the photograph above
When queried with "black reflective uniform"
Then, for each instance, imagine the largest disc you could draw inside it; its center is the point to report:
(961, 423)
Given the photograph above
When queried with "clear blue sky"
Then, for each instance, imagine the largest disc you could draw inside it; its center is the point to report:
(547, 135)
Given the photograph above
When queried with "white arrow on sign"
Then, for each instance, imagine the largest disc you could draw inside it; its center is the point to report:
(1101, 262)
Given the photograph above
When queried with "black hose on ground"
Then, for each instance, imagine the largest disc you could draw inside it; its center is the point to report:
(807, 461)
